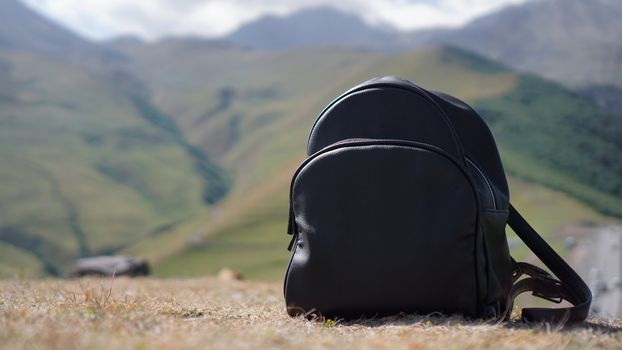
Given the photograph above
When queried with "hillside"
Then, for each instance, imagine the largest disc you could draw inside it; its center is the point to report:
(85, 170)
(212, 314)
(257, 129)
(89, 165)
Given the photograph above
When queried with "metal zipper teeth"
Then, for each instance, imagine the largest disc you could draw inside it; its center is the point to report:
(488, 184)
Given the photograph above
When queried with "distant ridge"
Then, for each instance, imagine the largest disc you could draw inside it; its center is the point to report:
(318, 26)
(575, 42)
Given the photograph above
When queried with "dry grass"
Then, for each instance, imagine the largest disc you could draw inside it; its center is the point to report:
(208, 313)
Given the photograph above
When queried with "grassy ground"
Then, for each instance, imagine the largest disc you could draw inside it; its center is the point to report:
(208, 313)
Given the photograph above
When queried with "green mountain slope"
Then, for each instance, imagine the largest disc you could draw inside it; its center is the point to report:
(84, 168)
(252, 111)
(549, 135)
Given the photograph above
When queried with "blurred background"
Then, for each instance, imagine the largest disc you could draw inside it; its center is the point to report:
(170, 129)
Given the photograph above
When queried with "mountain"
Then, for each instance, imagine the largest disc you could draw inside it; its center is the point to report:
(319, 26)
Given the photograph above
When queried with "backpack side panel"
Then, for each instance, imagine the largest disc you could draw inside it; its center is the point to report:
(480, 147)
(477, 142)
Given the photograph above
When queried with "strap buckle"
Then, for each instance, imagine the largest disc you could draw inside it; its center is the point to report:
(555, 292)
(556, 300)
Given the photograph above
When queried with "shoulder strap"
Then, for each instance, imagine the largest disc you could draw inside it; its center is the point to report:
(570, 286)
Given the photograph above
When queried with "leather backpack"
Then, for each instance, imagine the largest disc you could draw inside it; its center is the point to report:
(401, 207)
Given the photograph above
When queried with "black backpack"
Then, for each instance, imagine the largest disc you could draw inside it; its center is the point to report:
(401, 207)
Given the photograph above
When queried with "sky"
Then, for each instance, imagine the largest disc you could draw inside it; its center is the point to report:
(153, 19)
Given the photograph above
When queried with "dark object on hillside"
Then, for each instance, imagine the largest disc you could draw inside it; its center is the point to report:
(111, 266)
(401, 207)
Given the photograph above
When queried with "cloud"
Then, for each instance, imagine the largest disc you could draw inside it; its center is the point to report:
(151, 19)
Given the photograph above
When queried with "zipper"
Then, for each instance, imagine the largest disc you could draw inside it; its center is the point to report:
(413, 88)
(293, 228)
(488, 184)
(293, 245)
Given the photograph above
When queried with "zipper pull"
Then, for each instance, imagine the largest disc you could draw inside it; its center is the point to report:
(292, 228)
(292, 242)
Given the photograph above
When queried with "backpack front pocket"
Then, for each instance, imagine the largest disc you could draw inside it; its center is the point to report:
(383, 226)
